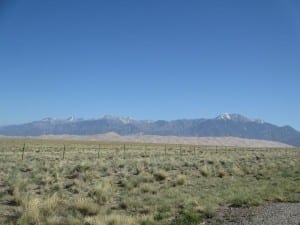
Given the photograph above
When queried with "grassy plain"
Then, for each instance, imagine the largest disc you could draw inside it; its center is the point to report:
(144, 184)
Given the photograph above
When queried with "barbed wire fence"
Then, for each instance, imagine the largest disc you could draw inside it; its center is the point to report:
(64, 151)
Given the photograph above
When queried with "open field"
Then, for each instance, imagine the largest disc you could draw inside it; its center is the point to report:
(85, 183)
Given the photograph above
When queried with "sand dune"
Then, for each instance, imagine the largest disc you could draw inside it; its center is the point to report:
(217, 141)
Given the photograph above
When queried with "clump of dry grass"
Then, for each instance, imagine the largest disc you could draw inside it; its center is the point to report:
(19, 189)
(180, 179)
(114, 219)
(31, 213)
(123, 205)
(102, 192)
(56, 220)
(147, 188)
(85, 206)
(160, 175)
(222, 173)
(235, 171)
(204, 171)
(199, 208)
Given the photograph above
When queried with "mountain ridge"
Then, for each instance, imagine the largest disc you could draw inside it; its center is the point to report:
(224, 125)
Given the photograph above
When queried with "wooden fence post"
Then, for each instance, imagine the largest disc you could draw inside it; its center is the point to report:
(165, 150)
(23, 151)
(64, 151)
(124, 147)
(99, 151)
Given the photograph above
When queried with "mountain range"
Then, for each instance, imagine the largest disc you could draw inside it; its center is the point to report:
(224, 125)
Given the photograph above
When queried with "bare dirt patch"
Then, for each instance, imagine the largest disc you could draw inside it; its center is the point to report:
(267, 214)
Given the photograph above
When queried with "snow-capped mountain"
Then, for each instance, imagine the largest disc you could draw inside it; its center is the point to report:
(123, 119)
(224, 125)
(237, 117)
(71, 119)
(58, 120)
(233, 117)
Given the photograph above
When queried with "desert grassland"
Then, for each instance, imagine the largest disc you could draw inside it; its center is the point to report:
(147, 184)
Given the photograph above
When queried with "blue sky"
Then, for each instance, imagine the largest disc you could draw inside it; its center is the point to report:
(150, 59)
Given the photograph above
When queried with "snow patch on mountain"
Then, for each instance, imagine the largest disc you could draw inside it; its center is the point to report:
(237, 117)
(123, 119)
(224, 116)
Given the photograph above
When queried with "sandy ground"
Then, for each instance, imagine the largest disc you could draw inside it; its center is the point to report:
(208, 141)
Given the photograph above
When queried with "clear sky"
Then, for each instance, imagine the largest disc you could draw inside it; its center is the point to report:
(150, 59)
